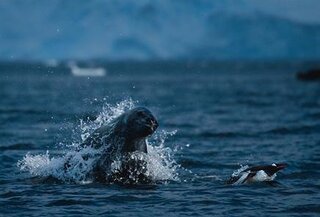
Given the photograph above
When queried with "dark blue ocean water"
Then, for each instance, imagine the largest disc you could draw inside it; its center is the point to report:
(226, 114)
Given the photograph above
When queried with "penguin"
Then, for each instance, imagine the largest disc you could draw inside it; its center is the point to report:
(265, 173)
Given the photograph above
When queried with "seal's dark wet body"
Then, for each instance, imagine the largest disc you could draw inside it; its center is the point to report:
(125, 135)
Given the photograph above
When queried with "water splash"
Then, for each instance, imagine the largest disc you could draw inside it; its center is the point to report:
(109, 112)
(240, 170)
(160, 163)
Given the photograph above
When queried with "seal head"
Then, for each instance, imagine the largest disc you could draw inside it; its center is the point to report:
(139, 123)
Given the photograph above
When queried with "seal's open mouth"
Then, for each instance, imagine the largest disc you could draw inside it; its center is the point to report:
(153, 125)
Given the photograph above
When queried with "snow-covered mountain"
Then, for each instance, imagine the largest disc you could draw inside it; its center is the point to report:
(159, 29)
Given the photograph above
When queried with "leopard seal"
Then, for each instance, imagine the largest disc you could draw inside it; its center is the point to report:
(120, 140)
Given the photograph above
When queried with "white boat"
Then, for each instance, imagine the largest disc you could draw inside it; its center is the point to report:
(77, 71)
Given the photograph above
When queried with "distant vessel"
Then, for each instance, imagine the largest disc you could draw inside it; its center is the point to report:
(77, 71)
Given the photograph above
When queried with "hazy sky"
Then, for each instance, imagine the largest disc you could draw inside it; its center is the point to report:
(159, 29)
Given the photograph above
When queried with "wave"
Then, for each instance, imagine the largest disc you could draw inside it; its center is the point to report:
(294, 130)
(311, 208)
(223, 134)
(208, 134)
(192, 163)
(19, 146)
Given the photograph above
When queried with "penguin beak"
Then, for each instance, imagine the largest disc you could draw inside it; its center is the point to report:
(281, 166)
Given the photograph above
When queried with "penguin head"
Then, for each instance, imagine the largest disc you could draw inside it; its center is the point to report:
(274, 168)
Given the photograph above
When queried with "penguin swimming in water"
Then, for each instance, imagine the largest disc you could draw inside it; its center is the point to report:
(264, 173)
